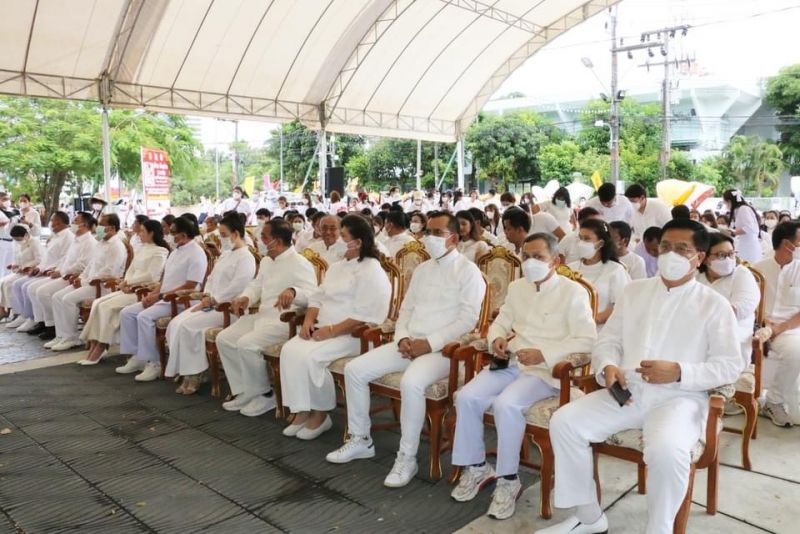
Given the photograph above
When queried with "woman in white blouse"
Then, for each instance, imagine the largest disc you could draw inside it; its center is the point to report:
(29, 216)
(560, 207)
(599, 266)
(355, 291)
(744, 226)
(232, 272)
(417, 226)
(736, 283)
(470, 237)
(102, 328)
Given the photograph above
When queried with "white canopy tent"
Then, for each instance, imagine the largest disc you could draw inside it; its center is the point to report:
(419, 69)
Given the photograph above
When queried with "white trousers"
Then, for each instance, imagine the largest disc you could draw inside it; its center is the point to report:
(66, 310)
(418, 374)
(510, 393)
(6, 256)
(306, 383)
(783, 389)
(103, 323)
(240, 347)
(186, 338)
(137, 330)
(672, 422)
(30, 303)
(42, 300)
(6, 283)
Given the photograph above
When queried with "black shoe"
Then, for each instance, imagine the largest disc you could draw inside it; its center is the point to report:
(38, 329)
(48, 334)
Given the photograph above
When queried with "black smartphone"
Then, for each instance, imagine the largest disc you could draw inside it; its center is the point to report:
(620, 395)
(500, 363)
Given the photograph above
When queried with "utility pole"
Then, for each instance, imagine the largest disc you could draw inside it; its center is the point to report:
(281, 158)
(419, 165)
(666, 144)
(614, 101)
(435, 163)
(236, 152)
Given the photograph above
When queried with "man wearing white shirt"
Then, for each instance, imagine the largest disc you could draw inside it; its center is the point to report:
(543, 222)
(55, 251)
(782, 309)
(516, 227)
(108, 259)
(442, 303)
(185, 268)
(396, 229)
(282, 273)
(660, 345)
(545, 318)
(28, 253)
(646, 212)
(71, 266)
(621, 234)
(612, 207)
(331, 247)
(237, 203)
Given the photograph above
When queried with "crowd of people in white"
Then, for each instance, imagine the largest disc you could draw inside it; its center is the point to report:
(675, 317)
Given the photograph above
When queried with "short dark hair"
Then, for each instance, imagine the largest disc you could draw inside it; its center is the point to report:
(517, 218)
(26, 196)
(281, 230)
(397, 218)
(784, 230)
(623, 229)
(234, 224)
(606, 192)
(587, 212)
(608, 252)
(699, 232)
(508, 197)
(61, 216)
(715, 238)
(635, 191)
(550, 239)
(318, 216)
(263, 211)
(452, 222)
(652, 234)
(680, 212)
(479, 215)
(191, 217)
(211, 218)
(310, 212)
(18, 230)
(563, 193)
(492, 191)
(184, 226)
(111, 219)
(141, 218)
(87, 218)
(358, 227)
(168, 219)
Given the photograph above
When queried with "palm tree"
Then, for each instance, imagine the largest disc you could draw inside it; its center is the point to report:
(755, 164)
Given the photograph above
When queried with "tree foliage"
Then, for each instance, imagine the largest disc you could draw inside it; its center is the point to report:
(756, 165)
(783, 93)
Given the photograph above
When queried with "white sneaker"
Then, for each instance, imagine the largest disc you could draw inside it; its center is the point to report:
(472, 480)
(574, 526)
(259, 406)
(16, 323)
(52, 343)
(66, 344)
(152, 371)
(29, 324)
(237, 403)
(504, 498)
(777, 413)
(308, 434)
(355, 448)
(131, 366)
(403, 470)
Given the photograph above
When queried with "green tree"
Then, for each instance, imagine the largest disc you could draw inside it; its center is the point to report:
(557, 161)
(755, 164)
(783, 93)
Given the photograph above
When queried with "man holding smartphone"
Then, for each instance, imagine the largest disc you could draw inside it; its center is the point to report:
(544, 319)
(669, 341)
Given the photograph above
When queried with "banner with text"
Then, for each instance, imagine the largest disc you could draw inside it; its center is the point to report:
(155, 181)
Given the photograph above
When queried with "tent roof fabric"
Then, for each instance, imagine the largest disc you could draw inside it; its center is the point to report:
(419, 69)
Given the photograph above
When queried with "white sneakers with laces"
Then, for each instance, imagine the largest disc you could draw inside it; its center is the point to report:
(355, 448)
(258, 406)
(504, 498)
(404, 469)
(573, 525)
(777, 414)
(237, 403)
(473, 479)
(131, 366)
(152, 371)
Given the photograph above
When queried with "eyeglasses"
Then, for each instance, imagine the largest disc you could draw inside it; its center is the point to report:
(722, 255)
(437, 233)
(680, 248)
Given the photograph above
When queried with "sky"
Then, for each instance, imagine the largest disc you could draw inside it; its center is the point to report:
(740, 42)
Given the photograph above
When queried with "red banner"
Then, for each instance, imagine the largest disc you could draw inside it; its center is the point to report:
(155, 181)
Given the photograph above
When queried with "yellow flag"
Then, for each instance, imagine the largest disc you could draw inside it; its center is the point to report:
(249, 184)
(596, 180)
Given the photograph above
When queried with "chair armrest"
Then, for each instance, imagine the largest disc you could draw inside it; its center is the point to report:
(715, 407)
(373, 335)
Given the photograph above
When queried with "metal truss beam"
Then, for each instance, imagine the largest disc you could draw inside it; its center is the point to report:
(485, 10)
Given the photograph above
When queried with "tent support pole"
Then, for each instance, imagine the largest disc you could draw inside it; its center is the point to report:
(106, 157)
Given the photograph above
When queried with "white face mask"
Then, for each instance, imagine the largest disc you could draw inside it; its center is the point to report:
(723, 267)
(416, 227)
(97, 206)
(170, 239)
(769, 223)
(560, 203)
(535, 270)
(298, 226)
(74, 228)
(7, 204)
(23, 205)
(226, 243)
(586, 249)
(722, 226)
(636, 206)
(435, 245)
(672, 266)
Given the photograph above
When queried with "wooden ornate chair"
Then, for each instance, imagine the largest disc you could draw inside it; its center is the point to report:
(628, 445)
(537, 428)
(214, 244)
(501, 267)
(438, 396)
(408, 259)
(163, 322)
(85, 307)
(748, 385)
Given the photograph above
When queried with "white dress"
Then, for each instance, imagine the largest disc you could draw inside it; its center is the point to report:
(472, 250)
(561, 215)
(747, 244)
(608, 279)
